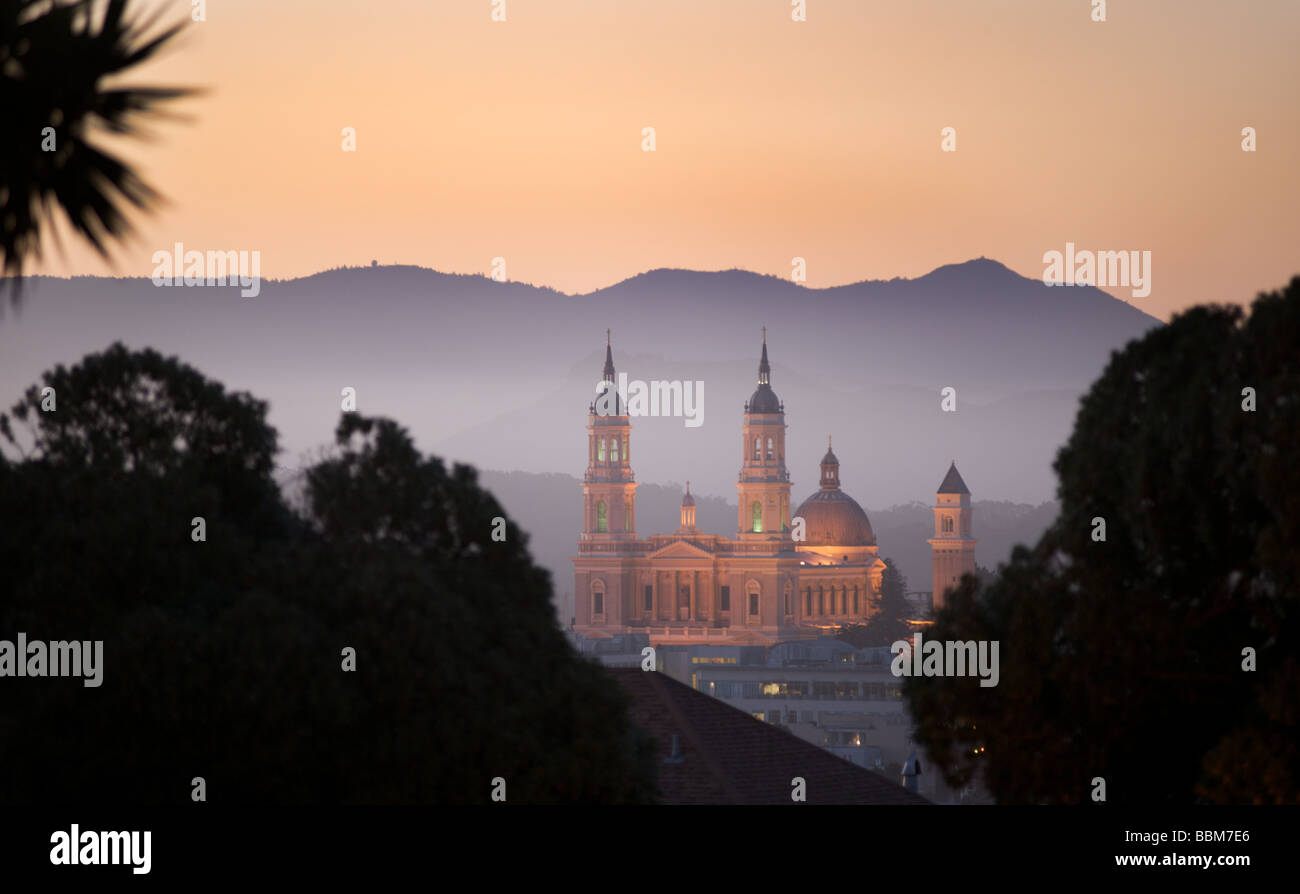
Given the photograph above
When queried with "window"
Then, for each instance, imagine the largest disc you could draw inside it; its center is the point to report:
(947, 524)
(613, 450)
(649, 598)
(597, 599)
(602, 518)
(856, 610)
(757, 454)
(627, 518)
(821, 602)
(756, 517)
(808, 601)
(789, 608)
(600, 454)
(726, 599)
(753, 603)
(770, 454)
(627, 457)
(844, 600)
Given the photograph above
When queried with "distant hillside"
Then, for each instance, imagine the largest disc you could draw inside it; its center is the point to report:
(500, 374)
(549, 507)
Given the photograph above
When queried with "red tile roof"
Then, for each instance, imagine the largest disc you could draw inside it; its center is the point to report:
(731, 758)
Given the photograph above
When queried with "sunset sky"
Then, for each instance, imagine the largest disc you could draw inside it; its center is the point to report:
(775, 139)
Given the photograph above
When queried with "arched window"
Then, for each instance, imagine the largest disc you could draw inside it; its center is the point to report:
(602, 517)
(627, 455)
(789, 600)
(756, 517)
(600, 454)
(613, 450)
(753, 591)
(757, 454)
(597, 598)
(770, 453)
(947, 524)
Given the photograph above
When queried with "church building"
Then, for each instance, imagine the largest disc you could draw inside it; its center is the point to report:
(759, 587)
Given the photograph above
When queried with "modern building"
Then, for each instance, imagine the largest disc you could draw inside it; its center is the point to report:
(785, 575)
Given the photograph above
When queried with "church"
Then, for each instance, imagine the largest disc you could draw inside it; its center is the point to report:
(768, 584)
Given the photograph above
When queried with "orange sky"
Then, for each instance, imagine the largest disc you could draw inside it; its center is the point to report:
(821, 139)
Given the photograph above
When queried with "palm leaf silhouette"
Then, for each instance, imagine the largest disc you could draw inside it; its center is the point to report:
(55, 56)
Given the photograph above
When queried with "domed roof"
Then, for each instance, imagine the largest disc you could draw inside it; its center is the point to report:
(688, 500)
(764, 400)
(833, 518)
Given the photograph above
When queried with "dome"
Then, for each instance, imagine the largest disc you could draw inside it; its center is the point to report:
(764, 400)
(833, 518)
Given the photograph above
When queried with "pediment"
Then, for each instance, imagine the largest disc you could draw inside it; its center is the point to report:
(682, 549)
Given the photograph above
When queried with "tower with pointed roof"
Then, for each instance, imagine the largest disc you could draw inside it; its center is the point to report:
(764, 483)
(609, 487)
(953, 546)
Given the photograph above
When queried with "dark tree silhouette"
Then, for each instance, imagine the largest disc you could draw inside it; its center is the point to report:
(889, 624)
(55, 56)
(223, 658)
(1123, 658)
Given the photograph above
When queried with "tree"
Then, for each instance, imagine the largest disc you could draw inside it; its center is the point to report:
(1122, 658)
(224, 656)
(56, 57)
(889, 623)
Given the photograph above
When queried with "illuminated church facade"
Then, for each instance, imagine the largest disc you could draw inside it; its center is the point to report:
(759, 587)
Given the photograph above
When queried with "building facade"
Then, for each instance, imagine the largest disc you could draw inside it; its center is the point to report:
(784, 575)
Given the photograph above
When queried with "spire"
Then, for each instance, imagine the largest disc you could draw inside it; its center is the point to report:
(764, 368)
(609, 359)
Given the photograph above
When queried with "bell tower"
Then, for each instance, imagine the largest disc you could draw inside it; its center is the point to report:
(952, 547)
(608, 487)
(764, 483)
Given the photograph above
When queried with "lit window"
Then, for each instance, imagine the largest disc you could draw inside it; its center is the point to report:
(600, 454)
(602, 519)
(756, 517)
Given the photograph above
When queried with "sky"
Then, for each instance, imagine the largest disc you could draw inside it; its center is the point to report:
(775, 139)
